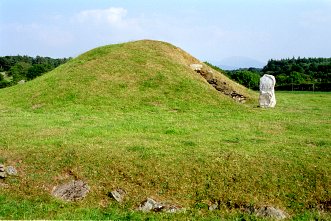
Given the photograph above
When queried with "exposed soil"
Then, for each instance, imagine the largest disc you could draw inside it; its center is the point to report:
(325, 205)
(220, 85)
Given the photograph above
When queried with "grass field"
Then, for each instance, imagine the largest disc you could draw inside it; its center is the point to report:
(190, 151)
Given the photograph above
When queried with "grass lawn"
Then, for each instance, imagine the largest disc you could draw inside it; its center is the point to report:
(135, 116)
(235, 154)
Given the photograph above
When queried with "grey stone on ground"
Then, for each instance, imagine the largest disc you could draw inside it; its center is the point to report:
(3, 185)
(3, 175)
(72, 191)
(271, 212)
(11, 171)
(2, 168)
(118, 195)
(173, 209)
(150, 205)
(214, 206)
(219, 85)
(196, 67)
(2, 171)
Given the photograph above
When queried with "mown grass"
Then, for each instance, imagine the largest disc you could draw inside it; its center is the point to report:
(155, 129)
(278, 157)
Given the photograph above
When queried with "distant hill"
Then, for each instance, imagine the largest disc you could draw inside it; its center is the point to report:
(237, 62)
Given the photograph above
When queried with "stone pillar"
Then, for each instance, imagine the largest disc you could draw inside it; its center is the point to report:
(267, 91)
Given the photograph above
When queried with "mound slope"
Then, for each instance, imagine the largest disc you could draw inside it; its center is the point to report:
(127, 76)
(187, 146)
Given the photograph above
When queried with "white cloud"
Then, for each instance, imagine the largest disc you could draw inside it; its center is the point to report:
(111, 16)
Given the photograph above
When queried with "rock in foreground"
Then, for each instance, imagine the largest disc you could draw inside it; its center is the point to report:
(72, 191)
(151, 205)
(7, 171)
(271, 212)
(118, 195)
(2, 172)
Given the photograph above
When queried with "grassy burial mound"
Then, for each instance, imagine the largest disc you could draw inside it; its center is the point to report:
(138, 119)
(126, 76)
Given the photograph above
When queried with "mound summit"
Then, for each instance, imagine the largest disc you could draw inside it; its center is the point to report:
(129, 75)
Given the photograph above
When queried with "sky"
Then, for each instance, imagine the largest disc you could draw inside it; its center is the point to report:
(211, 30)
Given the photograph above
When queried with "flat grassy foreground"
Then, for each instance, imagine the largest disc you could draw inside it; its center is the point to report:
(135, 116)
(239, 155)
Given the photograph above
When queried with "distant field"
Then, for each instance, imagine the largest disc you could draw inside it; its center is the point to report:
(239, 155)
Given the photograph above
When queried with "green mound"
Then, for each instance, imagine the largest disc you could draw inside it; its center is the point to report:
(136, 117)
(124, 76)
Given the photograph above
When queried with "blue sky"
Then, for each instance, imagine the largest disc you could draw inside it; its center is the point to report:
(210, 30)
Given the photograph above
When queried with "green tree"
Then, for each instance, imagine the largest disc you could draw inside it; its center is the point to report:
(20, 68)
(297, 68)
(247, 78)
(296, 78)
(282, 79)
(19, 71)
(3, 82)
(37, 70)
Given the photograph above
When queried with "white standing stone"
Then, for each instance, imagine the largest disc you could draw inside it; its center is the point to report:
(267, 91)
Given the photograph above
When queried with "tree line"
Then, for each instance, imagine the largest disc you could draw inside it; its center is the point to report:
(300, 70)
(14, 69)
(291, 74)
(249, 77)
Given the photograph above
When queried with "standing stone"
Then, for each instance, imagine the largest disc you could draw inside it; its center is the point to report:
(267, 91)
